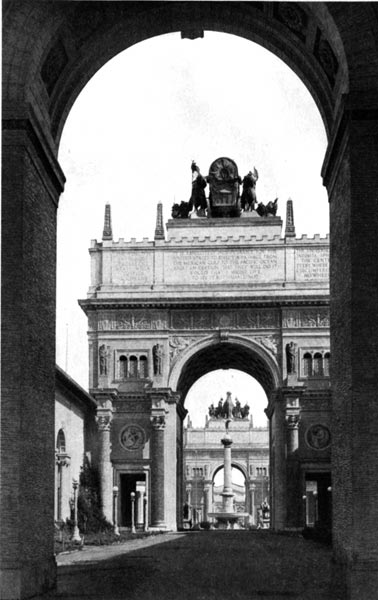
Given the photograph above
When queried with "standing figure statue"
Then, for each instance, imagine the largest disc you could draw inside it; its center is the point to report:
(157, 354)
(248, 197)
(228, 407)
(236, 411)
(219, 409)
(198, 198)
(290, 357)
(103, 360)
(245, 411)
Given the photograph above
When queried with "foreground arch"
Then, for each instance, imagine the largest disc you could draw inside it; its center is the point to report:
(50, 51)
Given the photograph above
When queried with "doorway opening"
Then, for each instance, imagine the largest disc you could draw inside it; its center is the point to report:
(318, 500)
(133, 491)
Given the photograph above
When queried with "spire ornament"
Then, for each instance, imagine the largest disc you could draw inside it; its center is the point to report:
(107, 234)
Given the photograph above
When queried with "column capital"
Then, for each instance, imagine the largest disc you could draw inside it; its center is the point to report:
(158, 422)
(292, 420)
(62, 459)
(103, 422)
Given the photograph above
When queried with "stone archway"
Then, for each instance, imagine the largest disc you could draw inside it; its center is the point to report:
(247, 355)
(50, 51)
(225, 351)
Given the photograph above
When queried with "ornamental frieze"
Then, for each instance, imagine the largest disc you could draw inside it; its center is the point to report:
(136, 320)
(230, 319)
(309, 317)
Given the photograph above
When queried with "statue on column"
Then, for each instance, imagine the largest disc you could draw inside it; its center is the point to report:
(290, 357)
(197, 200)
(228, 407)
(103, 356)
(248, 198)
(157, 354)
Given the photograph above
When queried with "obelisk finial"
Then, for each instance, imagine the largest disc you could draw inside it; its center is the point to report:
(290, 228)
(159, 229)
(107, 234)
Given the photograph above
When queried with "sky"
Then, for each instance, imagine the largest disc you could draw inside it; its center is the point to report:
(130, 138)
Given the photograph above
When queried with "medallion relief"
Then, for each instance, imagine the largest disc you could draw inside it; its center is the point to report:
(132, 437)
(318, 437)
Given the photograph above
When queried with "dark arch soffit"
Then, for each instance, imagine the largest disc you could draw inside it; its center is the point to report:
(225, 355)
(100, 30)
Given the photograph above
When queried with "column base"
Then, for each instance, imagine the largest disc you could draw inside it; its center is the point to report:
(158, 525)
(29, 580)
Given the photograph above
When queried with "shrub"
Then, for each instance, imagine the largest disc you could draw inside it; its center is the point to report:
(90, 516)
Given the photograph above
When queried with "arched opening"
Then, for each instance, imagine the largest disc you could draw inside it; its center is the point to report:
(248, 376)
(189, 113)
(239, 486)
(61, 441)
(351, 252)
(123, 370)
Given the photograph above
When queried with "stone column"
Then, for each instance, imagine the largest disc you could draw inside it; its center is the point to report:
(104, 418)
(32, 182)
(293, 486)
(252, 511)
(351, 176)
(227, 494)
(62, 460)
(277, 443)
(292, 426)
(157, 471)
(139, 509)
(208, 506)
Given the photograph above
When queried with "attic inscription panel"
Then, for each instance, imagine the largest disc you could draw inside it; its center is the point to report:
(234, 265)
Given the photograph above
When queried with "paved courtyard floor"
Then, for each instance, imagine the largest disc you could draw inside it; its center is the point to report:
(204, 565)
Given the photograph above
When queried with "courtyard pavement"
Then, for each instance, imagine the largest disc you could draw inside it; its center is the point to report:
(203, 565)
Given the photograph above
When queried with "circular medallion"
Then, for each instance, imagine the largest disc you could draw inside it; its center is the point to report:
(132, 437)
(224, 321)
(318, 437)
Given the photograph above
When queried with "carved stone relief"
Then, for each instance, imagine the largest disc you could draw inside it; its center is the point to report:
(230, 319)
(269, 342)
(309, 317)
(177, 345)
(132, 437)
(318, 437)
(141, 320)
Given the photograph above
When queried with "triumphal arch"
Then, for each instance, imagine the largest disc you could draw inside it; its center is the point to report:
(50, 51)
(225, 291)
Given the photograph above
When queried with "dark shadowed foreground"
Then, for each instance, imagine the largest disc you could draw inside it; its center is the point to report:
(240, 565)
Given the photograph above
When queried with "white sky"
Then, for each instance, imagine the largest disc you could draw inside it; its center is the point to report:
(130, 139)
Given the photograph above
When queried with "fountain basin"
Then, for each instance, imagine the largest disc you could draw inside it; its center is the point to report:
(228, 520)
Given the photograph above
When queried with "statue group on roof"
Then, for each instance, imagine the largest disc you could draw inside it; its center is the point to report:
(226, 409)
(224, 198)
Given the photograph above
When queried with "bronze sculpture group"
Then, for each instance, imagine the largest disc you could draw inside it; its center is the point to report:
(228, 410)
(224, 196)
